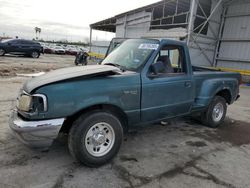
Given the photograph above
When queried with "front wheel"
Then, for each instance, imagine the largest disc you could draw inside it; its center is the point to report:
(95, 138)
(76, 61)
(2, 52)
(215, 113)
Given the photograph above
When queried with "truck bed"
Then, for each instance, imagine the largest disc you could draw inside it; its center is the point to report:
(209, 81)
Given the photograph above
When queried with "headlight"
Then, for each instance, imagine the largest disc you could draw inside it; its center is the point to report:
(32, 103)
(24, 103)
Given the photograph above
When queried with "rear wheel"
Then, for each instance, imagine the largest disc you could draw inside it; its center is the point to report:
(95, 138)
(35, 54)
(2, 52)
(215, 113)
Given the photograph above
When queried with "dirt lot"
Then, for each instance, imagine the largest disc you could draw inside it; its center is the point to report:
(13, 65)
(181, 154)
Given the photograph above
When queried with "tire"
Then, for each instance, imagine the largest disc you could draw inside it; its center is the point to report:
(215, 114)
(76, 62)
(2, 52)
(35, 54)
(85, 63)
(95, 130)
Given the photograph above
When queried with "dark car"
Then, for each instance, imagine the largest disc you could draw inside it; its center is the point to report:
(48, 50)
(71, 51)
(21, 47)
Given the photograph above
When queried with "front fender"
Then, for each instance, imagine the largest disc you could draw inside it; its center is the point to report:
(68, 98)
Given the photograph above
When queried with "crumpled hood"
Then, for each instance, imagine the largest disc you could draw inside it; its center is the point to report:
(68, 73)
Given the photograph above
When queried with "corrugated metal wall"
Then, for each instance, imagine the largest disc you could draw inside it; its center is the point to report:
(230, 23)
(234, 49)
(202, 51)
(202, 47)
(134, 25)
(99, 47)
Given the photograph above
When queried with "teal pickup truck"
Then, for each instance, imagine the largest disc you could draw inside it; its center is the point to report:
(142, 81)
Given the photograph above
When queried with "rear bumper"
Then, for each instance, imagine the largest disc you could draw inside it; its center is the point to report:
(36, 134)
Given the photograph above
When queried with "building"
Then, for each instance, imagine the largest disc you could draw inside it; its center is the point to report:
(99, 48)
(216, 31)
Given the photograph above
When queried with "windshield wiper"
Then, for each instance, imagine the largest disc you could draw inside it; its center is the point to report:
(123, 69)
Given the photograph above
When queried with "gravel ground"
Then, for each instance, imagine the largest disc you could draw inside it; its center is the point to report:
(180, 154)
(11, 65)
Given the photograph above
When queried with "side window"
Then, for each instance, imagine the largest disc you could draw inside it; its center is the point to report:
(22, 42)
(169, 61)
(31, 43)
(13, 42)
(18, 42)
(25, 42)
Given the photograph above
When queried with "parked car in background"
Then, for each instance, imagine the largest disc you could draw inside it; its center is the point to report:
(71, 51)
(48, 50)
(56, 48)
(21, 47)
(59, 50)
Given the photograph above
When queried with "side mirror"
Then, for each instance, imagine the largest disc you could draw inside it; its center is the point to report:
(157, 68)
(9, 43)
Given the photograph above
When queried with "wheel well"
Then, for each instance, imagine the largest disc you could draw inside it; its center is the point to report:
(3, 49)
(104, 107)
(225, 93)
(35, 50)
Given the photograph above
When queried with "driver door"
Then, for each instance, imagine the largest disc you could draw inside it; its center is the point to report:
(168, 93)
(11, 46)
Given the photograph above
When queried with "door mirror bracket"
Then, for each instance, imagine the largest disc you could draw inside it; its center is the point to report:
(156, 69)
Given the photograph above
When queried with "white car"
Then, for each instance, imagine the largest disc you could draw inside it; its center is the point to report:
(59, 50)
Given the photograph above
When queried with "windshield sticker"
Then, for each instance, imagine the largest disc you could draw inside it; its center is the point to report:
(147, 46)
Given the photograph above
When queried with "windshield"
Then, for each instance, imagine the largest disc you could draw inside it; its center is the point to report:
(132, 53)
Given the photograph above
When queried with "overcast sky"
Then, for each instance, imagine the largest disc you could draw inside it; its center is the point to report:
(60, 19)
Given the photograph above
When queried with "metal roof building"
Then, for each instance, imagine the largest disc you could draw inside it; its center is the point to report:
(216, 31)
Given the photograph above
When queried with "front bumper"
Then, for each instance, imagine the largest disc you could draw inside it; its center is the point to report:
(36, 134)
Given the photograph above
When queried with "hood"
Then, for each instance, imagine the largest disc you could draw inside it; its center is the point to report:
(68, 73)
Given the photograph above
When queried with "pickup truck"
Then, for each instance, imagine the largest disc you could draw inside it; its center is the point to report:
(143, 81)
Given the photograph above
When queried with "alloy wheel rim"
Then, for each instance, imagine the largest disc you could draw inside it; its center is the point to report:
(34, 54)
(99, 139)
(218, 112)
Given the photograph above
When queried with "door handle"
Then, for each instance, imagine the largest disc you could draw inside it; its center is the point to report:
(188, 84)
